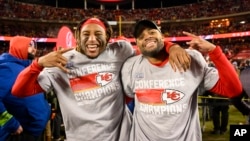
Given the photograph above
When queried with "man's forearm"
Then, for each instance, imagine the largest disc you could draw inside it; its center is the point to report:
(229, 84)
(26, 83)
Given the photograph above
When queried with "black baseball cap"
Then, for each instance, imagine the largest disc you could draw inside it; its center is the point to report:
(143, 24)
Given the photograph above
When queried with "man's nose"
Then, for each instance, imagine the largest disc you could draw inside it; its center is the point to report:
(147, 36)
(92, 37)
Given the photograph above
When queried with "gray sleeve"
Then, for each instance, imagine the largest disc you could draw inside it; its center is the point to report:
(210, 74)
(123, 49)
(211, 77)
(44, 80)
(126, 78)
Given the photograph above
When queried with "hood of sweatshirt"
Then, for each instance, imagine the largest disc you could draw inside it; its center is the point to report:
(19, 47)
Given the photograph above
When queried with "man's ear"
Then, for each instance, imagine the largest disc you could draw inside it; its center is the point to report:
(78, 41)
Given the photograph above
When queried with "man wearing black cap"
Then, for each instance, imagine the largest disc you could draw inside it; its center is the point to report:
(166, 107)
(146, 24)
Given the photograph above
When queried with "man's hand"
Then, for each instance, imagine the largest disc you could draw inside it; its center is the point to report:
(19, 130)
(54, 59)
(179, 58)
(199, 43)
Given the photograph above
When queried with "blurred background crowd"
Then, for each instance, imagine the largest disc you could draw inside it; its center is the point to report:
(202, 18)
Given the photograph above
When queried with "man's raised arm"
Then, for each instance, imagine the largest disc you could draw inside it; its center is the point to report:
(26, 83)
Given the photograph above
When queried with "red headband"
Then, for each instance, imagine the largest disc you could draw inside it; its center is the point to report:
(94, 21)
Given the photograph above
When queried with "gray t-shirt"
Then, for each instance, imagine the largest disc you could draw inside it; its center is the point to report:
(90, 95)
(166, 107)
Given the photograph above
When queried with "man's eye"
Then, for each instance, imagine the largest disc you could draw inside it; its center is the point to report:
(98, 34)
(85, 34)
(152, 32)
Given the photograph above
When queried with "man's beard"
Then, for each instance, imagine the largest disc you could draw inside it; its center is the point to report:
(155, 52)
(31, 56)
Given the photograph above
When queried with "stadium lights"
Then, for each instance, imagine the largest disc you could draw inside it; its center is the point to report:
(242, 22)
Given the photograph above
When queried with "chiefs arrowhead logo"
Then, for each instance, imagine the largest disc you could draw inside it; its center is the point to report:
(104, 78)
(172, 96)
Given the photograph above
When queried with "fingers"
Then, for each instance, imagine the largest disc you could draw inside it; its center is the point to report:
(180, 62)
(55, 59)
(179, 58)
(189, 34)
(62, 67)
(183, 64)
(62, 60)
(185, 61)
(174, 67)
(195, 39)
(18, 131)
(65, 50)
(177, 64)
(195, 42)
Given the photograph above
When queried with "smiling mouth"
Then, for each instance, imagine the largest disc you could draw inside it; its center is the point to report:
(92, 47)
(150, 44)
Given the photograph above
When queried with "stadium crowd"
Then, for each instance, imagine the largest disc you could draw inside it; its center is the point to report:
(45, 21)
(49, 19)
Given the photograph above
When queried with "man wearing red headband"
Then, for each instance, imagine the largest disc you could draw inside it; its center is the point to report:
(89, 88)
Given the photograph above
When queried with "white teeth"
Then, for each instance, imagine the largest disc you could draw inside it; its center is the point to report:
(150, 44)
(92, 47)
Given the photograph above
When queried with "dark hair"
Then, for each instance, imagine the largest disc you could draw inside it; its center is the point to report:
(109, 30)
